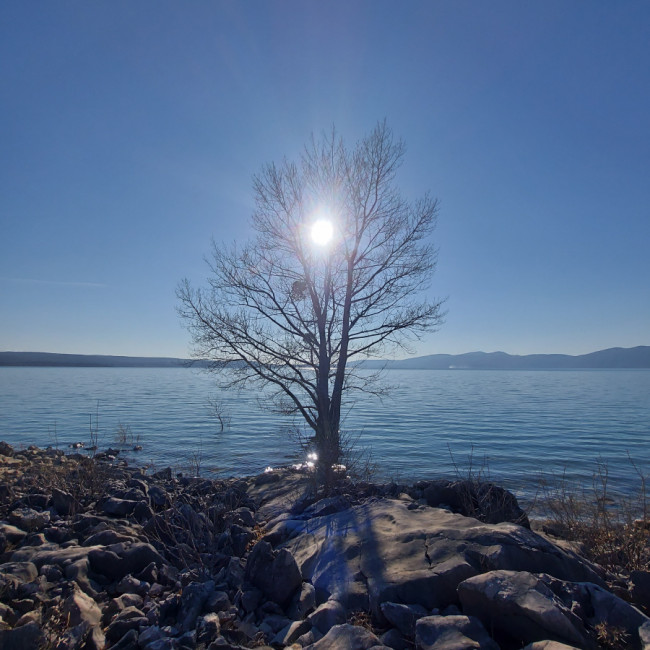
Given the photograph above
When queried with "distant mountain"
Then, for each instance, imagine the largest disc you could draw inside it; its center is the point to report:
(638, 357)
(86, 360)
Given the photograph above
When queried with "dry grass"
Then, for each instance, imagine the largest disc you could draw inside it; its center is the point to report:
(611, 528)
(611, 638)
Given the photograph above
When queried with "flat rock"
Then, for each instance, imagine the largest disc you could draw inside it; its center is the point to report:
(390, 553)
(452, 633)
(22, 571)
(52, 554)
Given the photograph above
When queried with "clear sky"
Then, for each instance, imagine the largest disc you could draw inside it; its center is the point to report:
(130, 130)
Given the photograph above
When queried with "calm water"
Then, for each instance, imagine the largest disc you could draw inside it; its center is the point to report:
(515, 424)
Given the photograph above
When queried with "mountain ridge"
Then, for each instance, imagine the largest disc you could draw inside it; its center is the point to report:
(609, 358)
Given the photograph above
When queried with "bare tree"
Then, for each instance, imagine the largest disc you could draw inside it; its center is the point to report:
(291, 310)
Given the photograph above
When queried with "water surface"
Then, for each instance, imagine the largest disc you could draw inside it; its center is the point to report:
(511, 424)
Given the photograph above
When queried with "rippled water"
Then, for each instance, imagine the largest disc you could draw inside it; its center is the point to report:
(514, 424)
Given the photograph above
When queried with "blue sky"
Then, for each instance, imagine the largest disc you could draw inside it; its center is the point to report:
(129, 133)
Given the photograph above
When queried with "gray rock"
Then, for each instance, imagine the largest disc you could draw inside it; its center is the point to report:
(51, 554)
(394, 639)
(121, 559)
(118, 507)
(107, 537)
(403, 617)
(127, 642)
(161, 644)
(484, 501)
(250, 599)
(327, 615)
(308, 638)
(63, 502)
(644, 635)
(521, 606)
(193, 598)
(597, 606)
(163, 475)
(347, 637)
(128, 620)
(13, 534)
(21, 571)
(26, 637)
(28, 519)
(149, 634)
(78, 572)
(452, 633)
(217, 601)
(207, 628)
(390, 553)
(246, 516)
(83, 636)
(274, 572)
(79, 607)
(6, 449)
(157, 496)
(303, 602)
(291, 632)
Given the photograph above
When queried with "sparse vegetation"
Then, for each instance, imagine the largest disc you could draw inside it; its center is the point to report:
(611, 528)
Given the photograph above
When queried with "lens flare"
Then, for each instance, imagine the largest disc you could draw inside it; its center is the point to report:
(322, 232)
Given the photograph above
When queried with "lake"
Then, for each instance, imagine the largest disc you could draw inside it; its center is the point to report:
(512, 425)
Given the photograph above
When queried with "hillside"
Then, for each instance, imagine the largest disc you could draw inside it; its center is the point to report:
(638, 357)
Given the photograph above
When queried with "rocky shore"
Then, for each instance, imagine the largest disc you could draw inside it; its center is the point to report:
(98, 555)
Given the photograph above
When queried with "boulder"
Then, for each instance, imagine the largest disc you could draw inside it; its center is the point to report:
(384, 552)
(327, 615)
(289, 634)
(25, 637)
(484, 501)
(275, 573)
(403, 617)
(63, 502)
(120, 559)
(118, 507)
(452, 633)
(347, 637)
(521, 607)
(28, 519)
(303, 602)
(6, 449)
(13, 534)
(79, 607)
(600, 608)
(20, 571)
(193, 598)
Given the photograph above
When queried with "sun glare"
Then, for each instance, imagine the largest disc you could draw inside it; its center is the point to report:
(322, 232)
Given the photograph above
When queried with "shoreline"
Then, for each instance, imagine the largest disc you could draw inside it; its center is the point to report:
(102, 556)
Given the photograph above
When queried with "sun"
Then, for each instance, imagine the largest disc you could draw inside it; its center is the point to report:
(322, 232)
